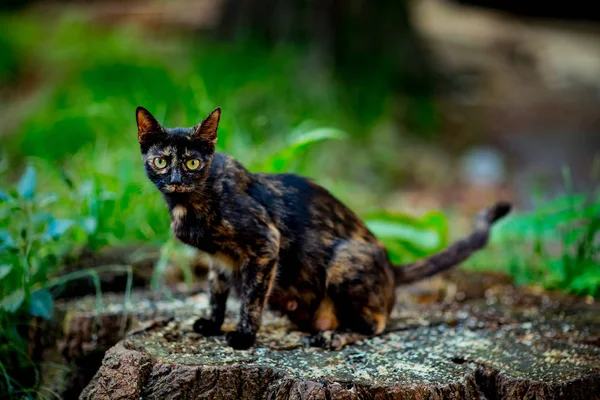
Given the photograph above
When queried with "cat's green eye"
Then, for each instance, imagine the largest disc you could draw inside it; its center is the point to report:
(160, 162)
(192, 164)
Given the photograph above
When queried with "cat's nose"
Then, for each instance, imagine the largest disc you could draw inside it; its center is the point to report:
(175, 178)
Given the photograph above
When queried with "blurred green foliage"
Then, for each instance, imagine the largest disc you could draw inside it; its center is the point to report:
(278, 115)
(556, 245)
(34, 243)
(88, 80)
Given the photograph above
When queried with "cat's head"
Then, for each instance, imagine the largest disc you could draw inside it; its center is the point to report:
(177, 160)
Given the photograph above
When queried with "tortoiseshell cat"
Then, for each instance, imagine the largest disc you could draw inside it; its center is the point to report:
(281, 239)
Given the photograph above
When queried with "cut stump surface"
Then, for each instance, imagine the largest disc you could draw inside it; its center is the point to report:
(497, 342)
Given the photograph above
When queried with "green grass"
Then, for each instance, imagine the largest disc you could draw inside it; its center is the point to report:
(555, 246)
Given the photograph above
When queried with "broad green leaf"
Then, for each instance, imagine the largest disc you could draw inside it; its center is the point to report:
(5, 270)
(27, 183)
(316, 135)
(42, 304)
(430, 232)
(58, 227)
(13, 301)
(394, 230)
(280, 160)
(401, 253)
(437, 220)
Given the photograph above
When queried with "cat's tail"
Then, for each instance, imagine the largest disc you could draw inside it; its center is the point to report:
(457, 252)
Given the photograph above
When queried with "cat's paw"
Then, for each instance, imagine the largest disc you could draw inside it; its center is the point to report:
(240, 340)
(206, 327)
(328, 340)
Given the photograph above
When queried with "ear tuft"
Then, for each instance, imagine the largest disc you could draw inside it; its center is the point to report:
(207, 129)
(148, 126)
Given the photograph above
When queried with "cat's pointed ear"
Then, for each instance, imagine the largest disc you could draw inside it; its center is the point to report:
(148, 126)
(207, 129)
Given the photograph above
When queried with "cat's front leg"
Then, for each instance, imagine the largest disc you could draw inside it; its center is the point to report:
(257, 280)
(220, 285)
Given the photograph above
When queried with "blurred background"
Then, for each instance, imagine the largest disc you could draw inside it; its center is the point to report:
(414, 113)
(445, 103)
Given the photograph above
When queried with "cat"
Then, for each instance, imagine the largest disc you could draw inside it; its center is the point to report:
(281, 240)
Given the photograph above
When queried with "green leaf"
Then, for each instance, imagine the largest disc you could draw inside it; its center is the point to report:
(586, 284)
(437, 221)
(4, 196)
(42, 217)
(58, 227)
(42, 304)
(13, 301)
(27, 183)
(316, 135)
(6, 241)
(399, 253)
(5, 270)
(394, 230)
(47, 200)
(568, 201)
(89, 225)
(429, 231)
(280, 160)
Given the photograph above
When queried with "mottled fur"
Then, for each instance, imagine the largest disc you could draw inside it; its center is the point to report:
(281, 239)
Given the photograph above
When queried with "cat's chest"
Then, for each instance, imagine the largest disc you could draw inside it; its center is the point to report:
(192, 229)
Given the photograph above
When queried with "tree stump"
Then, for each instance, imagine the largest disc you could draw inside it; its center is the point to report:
(474, 341)
(83, 330)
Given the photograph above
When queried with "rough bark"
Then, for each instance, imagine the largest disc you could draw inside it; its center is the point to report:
(81, 333)
(465, 340)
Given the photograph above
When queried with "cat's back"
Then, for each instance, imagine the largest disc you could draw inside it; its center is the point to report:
(297, 205)
(302, 206)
